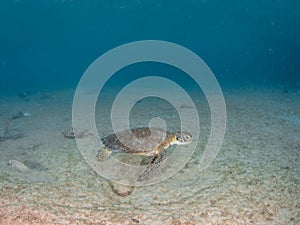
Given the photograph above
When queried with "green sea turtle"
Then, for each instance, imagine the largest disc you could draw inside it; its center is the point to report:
(143, 141)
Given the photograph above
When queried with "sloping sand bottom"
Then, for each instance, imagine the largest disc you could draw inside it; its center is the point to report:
(255, 178)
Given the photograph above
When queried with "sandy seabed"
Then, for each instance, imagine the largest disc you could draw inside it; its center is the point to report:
(255, 178)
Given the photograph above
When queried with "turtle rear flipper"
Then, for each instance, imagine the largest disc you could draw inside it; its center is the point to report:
(154, 167)
(103, 154)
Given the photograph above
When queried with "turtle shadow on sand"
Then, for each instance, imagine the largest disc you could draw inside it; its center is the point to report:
(121, 190)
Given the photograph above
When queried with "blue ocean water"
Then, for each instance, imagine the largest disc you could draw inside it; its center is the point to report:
(48, 44)
(252, 46)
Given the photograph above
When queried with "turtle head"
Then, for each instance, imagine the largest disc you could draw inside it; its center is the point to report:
(182, 138)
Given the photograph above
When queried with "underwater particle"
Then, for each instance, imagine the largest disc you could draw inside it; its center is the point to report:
(18, 166)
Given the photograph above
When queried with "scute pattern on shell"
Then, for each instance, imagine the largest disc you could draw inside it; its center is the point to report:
(139, 140)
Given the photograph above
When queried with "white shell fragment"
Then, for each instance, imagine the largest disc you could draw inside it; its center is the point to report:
(18, 166)
(27, 114)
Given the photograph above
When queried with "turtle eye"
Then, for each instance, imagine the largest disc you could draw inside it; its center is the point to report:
(186, 137)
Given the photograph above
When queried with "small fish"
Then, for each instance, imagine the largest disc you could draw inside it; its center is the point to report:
(18, 166)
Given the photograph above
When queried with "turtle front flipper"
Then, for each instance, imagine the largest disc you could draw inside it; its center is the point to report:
(154, 167)
(103, 154)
